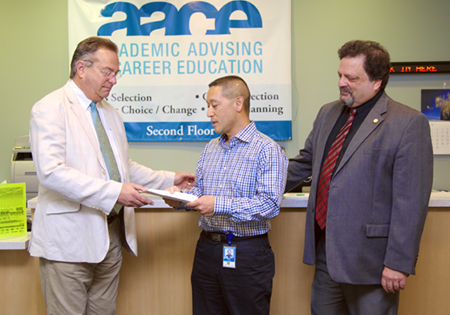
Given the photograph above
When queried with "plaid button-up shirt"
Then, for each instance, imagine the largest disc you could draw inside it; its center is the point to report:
(247, 177)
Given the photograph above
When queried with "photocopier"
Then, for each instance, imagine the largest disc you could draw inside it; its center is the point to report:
(22, 167)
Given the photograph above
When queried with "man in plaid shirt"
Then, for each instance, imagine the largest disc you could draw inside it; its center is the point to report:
(240, 180)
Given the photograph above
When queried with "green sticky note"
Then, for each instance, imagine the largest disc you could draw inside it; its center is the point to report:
(13, 210)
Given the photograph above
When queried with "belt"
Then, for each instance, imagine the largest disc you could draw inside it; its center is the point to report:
(112, 216)
(222, 237)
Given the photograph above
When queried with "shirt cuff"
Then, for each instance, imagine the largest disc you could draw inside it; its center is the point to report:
(222, 205)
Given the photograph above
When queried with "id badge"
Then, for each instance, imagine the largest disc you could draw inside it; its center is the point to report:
(229, 256)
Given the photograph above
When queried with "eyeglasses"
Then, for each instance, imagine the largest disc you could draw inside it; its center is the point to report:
(106, 73)
(110, 74)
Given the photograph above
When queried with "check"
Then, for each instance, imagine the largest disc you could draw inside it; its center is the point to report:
(179, 196)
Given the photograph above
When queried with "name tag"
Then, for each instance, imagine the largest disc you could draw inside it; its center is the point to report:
(229, 256)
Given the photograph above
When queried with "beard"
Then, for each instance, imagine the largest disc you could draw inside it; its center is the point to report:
(349, 100)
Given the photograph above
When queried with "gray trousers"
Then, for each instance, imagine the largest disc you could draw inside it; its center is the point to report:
(332, 298)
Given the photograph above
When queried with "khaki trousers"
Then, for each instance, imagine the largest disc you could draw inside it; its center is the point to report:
(84, 288)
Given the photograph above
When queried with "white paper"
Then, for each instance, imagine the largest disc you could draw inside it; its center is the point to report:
(179, 196)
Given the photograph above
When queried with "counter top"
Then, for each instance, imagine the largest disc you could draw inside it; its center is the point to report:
(296, 200)
(15, 242)
(439, 199)
(290, 200)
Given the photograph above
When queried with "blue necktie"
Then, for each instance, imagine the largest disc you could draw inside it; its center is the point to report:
(105, 146)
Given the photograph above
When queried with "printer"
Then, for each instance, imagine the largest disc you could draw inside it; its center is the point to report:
(22, 167)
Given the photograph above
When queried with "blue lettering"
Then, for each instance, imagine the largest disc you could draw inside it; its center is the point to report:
(204, 67)
(123, 51)
(232, 65)
(258, 66)
(147, 67)
(136, 67)
(145, 50)
(223, 22)
(131, 23)
(192, 50)
(214, 51)
(230, 46)
(134, 52)
(156, 67)
(169, 10)
(157, 51)
(166, 66)
(258, 51)
(175, 54)
(222, 67)
(176, 22)
(190, 67)
(126, 68)
(180, 25)
(249, 66)
(246, 49)
(203, 49)
(180, 66)
(209, 66)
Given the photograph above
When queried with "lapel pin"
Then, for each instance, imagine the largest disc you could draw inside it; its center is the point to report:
(375, 120)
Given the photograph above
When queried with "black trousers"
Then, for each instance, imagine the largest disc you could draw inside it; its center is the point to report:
(245, 290)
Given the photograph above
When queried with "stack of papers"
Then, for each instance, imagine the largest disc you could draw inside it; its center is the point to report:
(178, 196)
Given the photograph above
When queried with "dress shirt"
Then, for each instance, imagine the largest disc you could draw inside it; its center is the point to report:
(361, 113)
(85, 103)
(247, 177)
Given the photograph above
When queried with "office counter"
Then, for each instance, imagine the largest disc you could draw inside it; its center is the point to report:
(158, 280)
(15, 242)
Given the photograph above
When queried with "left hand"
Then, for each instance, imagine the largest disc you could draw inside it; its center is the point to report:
(393, 280)
(184, 180)
(204, 204)
(171, 202)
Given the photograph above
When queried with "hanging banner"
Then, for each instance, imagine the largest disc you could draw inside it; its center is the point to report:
(169, 51)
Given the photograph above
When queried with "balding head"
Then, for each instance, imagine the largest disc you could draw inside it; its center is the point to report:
(86, 50)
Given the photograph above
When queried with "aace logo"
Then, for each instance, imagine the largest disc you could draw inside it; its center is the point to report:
(176, 22)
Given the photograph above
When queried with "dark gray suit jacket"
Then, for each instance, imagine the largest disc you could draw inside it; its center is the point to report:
(379, 194)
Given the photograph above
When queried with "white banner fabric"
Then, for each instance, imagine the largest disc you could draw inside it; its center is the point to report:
(170, 51)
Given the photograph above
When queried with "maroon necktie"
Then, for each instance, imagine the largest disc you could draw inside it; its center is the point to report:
(327, 170)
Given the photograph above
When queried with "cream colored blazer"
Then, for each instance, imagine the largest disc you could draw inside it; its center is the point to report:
(74, 197)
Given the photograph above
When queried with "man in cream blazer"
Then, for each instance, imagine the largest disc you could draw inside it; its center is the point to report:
(75, 232)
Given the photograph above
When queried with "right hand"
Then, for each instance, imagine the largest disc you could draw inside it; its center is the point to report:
(130, 197)
(170, 202)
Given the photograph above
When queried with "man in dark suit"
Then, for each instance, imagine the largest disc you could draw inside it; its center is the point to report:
(371, 163)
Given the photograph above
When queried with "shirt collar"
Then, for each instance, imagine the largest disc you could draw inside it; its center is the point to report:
(84, 101)
(245, 135)
(365, 108)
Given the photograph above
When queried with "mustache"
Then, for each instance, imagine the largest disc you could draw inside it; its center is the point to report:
(347, 90)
